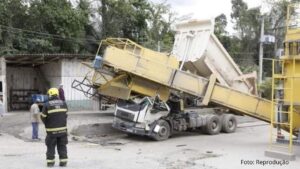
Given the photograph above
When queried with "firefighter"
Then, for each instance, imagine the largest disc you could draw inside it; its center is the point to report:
(54, 116)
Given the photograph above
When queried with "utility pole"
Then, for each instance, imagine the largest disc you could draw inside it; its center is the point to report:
(158, 46)
(261, 50)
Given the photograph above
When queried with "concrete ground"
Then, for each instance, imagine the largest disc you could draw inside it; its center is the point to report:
(93, 144)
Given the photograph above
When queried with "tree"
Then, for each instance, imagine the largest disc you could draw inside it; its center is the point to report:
(123, 18)
(159, 31)
(239, 9)
(58, 26)
(60, 18)
(146, 23)
(43, 26)
(12, 14)
(220, 25)
(221, 33)
(91, 35)
(277, 19)
(247, 24)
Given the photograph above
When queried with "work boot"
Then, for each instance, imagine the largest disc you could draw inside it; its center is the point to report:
(63, 164)
(50, 164)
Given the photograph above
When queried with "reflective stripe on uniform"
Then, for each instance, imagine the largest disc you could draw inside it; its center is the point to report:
(63, 160)
(56, 129)
(57, 111)
(50, 161)
(43, 115)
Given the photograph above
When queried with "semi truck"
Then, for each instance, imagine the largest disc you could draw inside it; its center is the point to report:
(198, 50)
(157, 119)
(149, 87)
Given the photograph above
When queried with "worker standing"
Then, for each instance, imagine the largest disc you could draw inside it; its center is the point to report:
(34, 117)
(61, 92)
(54, 116)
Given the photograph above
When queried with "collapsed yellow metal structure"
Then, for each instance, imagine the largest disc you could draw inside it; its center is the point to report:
(130, 70)
(137, 70)
(140, 72)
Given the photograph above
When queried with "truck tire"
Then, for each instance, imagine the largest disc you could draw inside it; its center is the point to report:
(164, 131)
(213, 125)
(229, 123)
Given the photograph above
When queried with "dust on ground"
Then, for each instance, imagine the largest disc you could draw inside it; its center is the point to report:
(95, 144)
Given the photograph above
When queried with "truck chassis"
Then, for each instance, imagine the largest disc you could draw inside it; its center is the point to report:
(159, 120)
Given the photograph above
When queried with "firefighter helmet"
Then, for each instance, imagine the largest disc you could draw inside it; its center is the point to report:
(53, 92)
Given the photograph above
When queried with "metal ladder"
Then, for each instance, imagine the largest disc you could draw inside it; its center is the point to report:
(282, 108)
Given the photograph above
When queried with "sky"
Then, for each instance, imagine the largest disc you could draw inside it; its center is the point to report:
(206, 9)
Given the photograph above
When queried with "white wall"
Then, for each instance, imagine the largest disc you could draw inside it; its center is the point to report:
(73, 69)
(21, 78)
(52, 73)
(64, 71)
(3, 80)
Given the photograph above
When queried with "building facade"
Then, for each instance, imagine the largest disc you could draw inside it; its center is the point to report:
(24, 75)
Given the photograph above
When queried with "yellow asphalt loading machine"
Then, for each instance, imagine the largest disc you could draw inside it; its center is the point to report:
(151, 88)
(285, 108)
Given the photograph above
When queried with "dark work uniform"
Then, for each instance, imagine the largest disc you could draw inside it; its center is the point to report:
(61, 94)
(54, 116)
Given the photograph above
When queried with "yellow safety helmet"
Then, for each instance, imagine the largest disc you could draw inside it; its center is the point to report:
(53, 92)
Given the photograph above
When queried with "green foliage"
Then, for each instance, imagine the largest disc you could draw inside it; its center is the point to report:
(247, 25)
(265, 88)
(220, 25)
(58, 26)
(12, 13)
(238, 14)
(46, 26)
(123, 18)
(60, 18)
(159, 32)
(139, 21)
(243, 46)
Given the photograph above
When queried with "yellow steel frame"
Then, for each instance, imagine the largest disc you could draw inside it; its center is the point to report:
(171, 78)
(121, 43)
(289, 76)
(276, 77)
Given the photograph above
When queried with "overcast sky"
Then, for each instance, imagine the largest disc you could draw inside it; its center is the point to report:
(206, 9)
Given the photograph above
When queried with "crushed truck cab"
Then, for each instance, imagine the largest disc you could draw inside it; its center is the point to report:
(158, 119)
(138, 118)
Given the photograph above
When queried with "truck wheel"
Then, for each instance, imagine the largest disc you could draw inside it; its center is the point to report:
(163, 132)
(229, 123)
(213, 125)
